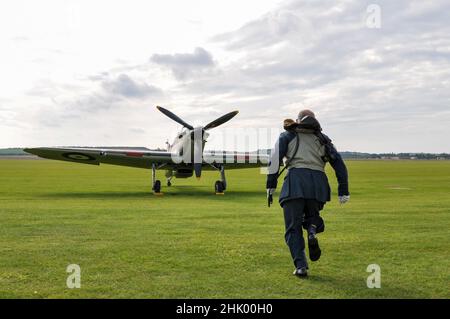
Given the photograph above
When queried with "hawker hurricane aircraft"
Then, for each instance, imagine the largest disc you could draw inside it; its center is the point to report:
(184, 157)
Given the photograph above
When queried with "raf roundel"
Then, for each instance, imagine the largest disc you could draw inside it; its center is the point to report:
(78, 156)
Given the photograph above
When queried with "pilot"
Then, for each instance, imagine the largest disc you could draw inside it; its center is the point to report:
(305, 188)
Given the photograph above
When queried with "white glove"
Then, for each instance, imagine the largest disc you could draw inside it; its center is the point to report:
(344, 199)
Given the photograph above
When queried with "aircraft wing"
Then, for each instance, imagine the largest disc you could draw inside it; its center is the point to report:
(140, 158)
(144, 158)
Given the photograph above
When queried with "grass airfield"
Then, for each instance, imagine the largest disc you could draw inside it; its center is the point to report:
(191, 243)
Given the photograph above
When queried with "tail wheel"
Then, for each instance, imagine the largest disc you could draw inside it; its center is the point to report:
(157, 187)
(219, 187)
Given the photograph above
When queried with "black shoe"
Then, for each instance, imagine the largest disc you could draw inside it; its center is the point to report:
(301, 272)
(314, 249)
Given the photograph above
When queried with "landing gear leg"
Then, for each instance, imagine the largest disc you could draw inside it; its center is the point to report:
(222, 177)
(221, 185)
(156, 184)
(169, 176)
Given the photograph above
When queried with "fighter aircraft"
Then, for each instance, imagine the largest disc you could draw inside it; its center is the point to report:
(185, 157)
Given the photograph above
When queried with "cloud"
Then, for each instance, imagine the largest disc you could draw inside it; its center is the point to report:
(183, 65)
(98, 77)
(310, 45)
(103, 96)
(323, 56)
(124, 86)
(372, 89)
(266, 31)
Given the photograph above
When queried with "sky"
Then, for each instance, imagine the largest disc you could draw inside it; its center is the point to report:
(90, 73)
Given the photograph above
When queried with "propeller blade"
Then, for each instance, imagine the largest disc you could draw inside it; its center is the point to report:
(223, 119)
(174, 117)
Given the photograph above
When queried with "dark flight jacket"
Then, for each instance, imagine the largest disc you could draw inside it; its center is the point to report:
(306, 177)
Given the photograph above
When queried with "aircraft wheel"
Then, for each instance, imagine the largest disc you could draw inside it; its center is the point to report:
(157, 187)
(219, 187)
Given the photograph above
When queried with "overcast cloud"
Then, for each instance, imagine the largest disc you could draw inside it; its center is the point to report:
(383, 89)
(185, 64)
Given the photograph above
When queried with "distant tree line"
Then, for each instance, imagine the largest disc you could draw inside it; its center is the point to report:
(12, 152)
(410, 156)
(393, 156)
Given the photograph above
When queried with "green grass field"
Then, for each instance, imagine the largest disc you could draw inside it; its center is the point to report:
(191, 243)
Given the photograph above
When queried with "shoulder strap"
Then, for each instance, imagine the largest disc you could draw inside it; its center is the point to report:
(297, 144)
(322, 139)
(330, 155)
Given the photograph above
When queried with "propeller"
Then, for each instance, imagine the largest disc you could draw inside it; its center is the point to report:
(221, 120)
(217, 122)
(174, 117)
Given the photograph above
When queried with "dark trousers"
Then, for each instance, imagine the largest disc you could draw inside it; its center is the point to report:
(295, 211)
